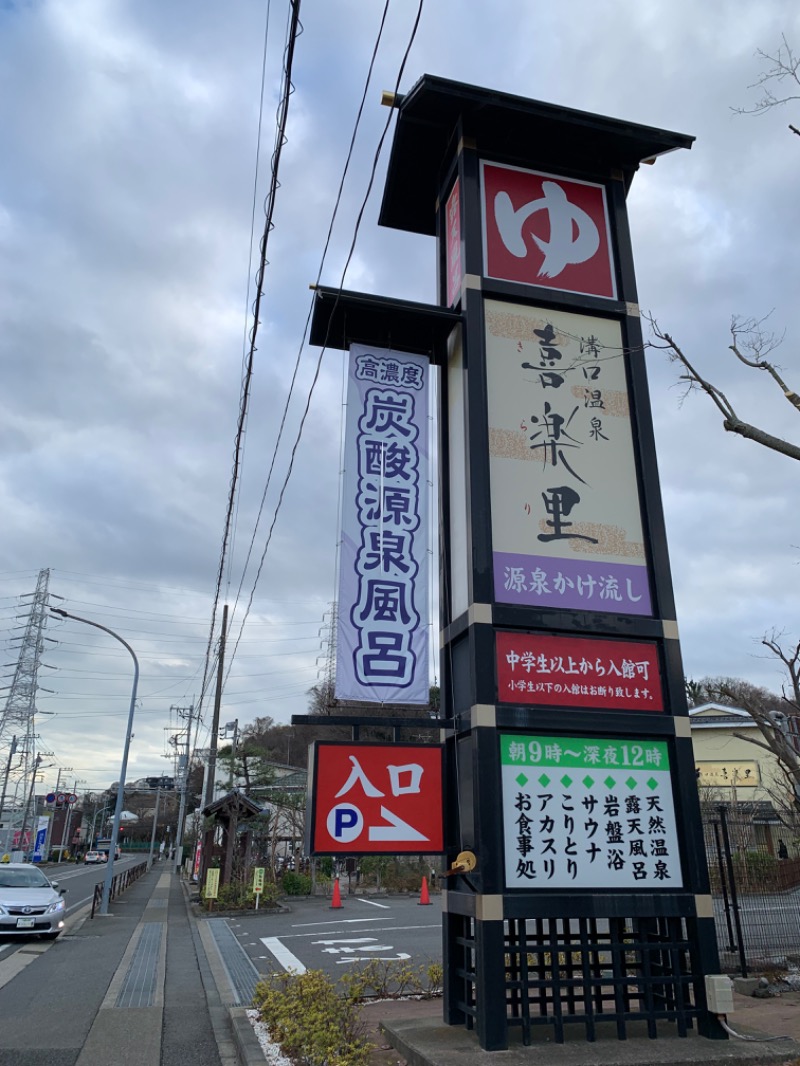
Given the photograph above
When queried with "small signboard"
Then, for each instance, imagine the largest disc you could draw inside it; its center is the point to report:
(258, 880)
(40, 839)
(376, 798)
(557, 671)
(212, 883)
(588, 813)
(739, 773)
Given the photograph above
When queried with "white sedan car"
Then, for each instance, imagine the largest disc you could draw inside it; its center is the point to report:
(29, 903)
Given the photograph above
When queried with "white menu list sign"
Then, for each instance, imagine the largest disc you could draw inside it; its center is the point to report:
(588, 813)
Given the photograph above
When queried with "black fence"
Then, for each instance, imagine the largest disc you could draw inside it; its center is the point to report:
(119, 882)
(756, 893)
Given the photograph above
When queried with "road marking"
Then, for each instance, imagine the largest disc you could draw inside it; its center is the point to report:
(399, 957)
(80, 903)
(351, 951)
(288, 961)
(391, 929)
(372, 903)
(9, 968)
(352, 940)
(339, 921)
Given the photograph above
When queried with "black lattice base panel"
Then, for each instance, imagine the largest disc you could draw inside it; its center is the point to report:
(587, 971)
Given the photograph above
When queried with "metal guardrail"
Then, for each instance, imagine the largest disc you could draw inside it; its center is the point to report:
(119, 882)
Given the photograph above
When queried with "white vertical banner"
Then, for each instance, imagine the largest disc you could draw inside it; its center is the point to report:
(382, 637)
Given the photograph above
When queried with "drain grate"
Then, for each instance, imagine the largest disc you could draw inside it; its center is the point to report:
(139, 987)
(242, 973)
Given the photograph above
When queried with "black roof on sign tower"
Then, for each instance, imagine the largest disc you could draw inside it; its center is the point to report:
(504, 127)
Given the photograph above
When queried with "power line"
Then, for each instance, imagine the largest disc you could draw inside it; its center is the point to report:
(294, 30)
(296, 368)
(315, 378)
(252, 237)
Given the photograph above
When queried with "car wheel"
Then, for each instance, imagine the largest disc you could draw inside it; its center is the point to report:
(51, 936)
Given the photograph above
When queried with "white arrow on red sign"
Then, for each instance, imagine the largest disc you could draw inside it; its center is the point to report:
(396, 830)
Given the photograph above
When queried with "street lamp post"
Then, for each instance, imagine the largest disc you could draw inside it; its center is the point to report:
(95, 816)
(155, 826)
(112, 851)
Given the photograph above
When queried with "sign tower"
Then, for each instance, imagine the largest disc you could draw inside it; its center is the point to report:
(568, 761)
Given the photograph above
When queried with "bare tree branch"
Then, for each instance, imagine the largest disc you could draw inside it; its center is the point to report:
(730, 420)
(785, 66)
(748, 334)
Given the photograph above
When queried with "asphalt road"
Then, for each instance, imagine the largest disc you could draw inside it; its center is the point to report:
(314, 936)
(79, 881)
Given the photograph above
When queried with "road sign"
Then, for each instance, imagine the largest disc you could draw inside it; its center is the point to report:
(72, 798)
(369, 798)
(50, 797)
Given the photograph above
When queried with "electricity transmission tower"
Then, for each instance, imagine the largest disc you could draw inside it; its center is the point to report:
(18, 758)
(326, 660)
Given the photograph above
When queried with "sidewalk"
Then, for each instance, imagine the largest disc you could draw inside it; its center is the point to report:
(150, 985)
(134, 988)
(414, 1029)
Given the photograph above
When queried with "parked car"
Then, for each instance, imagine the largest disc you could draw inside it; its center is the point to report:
(29, 902)
(94, 856)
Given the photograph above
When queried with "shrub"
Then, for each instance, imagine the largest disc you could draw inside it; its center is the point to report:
(236, 896)
(311, 1021)
(387, 979)
(395, 874)
(295, 884)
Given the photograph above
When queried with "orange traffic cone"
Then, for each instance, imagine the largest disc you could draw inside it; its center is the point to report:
(337, 894)
(424, 898)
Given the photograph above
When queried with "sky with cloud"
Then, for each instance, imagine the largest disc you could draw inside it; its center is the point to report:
(127, 175)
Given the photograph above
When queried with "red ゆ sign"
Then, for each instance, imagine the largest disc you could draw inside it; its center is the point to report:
(376, 798)
(540, 229)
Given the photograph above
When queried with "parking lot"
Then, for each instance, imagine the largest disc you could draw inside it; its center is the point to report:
(315, 936)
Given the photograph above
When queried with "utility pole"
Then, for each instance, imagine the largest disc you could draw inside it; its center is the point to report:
(36, 762)
(48, 840)
(11, 753)
(212, 756)
(65, 841)
(184, 712)
(208, 842)
(231, 727)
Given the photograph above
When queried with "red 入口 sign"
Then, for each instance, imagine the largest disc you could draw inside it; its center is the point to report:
(555, 671)
(369, 798)
(540, 229)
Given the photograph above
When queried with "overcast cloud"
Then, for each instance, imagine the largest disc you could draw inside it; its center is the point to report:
(126, 182)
